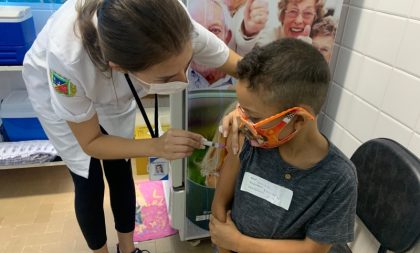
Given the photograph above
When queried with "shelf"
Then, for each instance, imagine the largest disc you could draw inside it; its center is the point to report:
(32, 165)
(11, 68)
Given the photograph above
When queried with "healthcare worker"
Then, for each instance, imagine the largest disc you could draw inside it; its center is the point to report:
(82, 74)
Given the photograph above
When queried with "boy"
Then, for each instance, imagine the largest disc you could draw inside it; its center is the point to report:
(295, 191)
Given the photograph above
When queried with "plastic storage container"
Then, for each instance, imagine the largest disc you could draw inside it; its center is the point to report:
(17, 31)
(19, 120)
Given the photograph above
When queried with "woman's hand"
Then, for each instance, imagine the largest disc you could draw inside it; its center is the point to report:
(230, 125)
(225, 234)
(176, 144)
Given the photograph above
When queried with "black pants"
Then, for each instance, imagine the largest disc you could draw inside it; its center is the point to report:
(89, 197)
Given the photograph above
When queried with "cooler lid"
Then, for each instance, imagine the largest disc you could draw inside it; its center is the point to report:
(14, 13)
(17, 105)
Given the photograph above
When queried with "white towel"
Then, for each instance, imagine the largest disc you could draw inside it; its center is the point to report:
(26, 152)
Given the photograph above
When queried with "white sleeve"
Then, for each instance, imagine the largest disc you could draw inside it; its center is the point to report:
(68, 96)
(208, 49)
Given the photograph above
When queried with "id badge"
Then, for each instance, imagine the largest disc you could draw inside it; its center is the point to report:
(158, 168)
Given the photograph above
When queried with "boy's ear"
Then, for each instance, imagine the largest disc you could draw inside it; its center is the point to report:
(116, 67)
(302, 119)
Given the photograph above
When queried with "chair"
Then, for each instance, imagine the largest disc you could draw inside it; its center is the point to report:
(388, 194)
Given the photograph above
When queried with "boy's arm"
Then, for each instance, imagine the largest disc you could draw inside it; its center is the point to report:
(225, 187)
(251, 245)
(225, 234)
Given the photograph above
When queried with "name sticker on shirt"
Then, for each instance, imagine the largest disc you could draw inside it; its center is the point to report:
(62, 85)
(275, 194)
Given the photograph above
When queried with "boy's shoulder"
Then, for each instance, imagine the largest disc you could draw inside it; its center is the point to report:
(339, 165)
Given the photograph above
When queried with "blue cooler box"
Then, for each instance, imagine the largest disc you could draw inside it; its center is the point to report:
(19, 120)
(17, 33)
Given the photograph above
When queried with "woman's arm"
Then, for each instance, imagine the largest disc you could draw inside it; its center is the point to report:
(174, 144)
(229, 66)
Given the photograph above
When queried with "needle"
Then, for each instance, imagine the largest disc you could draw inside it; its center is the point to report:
(212, 144)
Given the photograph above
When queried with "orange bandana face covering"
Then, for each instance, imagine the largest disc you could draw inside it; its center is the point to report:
(268, 137)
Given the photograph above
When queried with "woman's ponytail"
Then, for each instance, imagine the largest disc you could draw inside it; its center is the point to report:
(86, 10)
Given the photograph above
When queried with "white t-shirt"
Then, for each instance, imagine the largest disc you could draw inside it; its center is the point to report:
(64, 84)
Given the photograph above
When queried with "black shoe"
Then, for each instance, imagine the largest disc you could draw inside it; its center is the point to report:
(137, 250)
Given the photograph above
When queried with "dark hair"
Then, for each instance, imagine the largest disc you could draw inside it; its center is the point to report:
(134, 34)
(288, 72)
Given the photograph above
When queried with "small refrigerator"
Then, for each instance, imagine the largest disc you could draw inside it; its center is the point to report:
(192, 180)
(210, 95)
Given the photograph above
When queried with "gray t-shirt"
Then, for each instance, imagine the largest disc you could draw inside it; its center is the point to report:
(324, 199)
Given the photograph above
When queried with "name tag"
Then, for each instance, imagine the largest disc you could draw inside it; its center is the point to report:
(275, 194)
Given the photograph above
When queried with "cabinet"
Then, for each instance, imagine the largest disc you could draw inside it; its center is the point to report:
(10, 68)
(11, 79)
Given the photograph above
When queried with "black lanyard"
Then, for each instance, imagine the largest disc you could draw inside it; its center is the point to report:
(155, 133)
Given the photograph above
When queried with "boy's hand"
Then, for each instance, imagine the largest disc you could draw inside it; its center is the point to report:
(225, 234)
(176, 144)
(230, 124)
(222, 250)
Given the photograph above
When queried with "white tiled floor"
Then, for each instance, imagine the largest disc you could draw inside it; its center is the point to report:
(37, 215)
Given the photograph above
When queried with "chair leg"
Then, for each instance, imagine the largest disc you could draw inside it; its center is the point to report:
(382, 249)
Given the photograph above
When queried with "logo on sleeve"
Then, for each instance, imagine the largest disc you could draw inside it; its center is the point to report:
(62, 85)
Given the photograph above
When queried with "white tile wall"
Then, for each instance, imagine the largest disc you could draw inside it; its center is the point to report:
(348, 144)
(348, 68)
(319, 119)
(376, 90)
(332, 129)
(385, 37)
(357, 30)
(409, 54)
(415, 10)
(388, 127)
(400, 7)
(373, 81)
(362, 119)
(402, 98)
(334, 58)
(367, 4)
(340, 28)
(339, 103)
